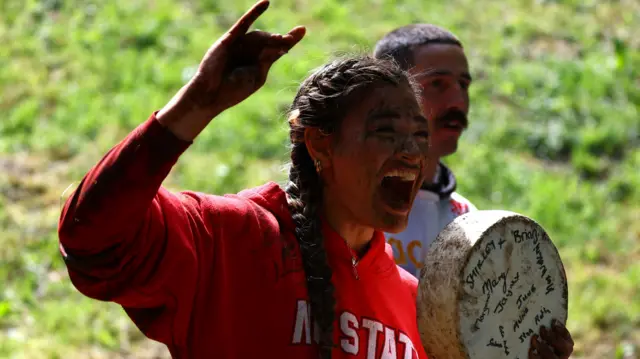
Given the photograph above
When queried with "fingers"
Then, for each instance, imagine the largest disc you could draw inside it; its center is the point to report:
(294, 36)
(278, 46)
(256, 51)
(560, 345)
(270, 55)
(540, 349)
(276, 41)
(244, 23)
(559, 339)
(562, 331)
(240, 28)
(266, 60)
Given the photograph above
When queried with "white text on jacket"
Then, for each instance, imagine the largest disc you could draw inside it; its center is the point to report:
(376, 339)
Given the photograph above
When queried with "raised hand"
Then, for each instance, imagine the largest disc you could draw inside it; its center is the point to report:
(233, 68)
(555, 343)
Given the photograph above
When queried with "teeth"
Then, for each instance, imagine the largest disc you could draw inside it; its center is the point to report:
(405, 175)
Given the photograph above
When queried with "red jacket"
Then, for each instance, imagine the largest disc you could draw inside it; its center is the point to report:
(221, 276)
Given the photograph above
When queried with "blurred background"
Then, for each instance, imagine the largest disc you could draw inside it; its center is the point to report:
(554, 134)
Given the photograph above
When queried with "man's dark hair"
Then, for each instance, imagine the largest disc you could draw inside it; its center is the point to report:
(400, 43)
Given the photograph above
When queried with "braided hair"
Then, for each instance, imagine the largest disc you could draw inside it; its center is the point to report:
(323, 99)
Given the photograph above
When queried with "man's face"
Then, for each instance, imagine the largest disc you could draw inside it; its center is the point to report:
(443, 72)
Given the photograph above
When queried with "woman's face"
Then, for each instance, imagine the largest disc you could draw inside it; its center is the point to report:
(376, 159)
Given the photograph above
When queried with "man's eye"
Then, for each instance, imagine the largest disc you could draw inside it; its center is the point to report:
(424, 134)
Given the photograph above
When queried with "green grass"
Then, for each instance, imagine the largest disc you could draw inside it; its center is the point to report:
(555, 135)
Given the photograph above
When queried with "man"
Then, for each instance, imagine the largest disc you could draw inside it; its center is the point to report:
(436, 57)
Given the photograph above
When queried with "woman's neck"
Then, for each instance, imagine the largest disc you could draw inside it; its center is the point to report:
(356, 235)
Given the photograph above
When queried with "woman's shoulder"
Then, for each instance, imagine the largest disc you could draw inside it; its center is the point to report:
(268, 196)
(262, 206)
(409, 281)
(407, 278)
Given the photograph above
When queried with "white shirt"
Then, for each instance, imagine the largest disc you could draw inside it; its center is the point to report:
(430, 213)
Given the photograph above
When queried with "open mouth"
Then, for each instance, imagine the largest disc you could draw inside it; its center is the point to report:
(397, 189)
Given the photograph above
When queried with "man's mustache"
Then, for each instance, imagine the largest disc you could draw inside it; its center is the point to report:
(452, 115)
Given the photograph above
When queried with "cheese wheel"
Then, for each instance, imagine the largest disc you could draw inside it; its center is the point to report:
(490, 280)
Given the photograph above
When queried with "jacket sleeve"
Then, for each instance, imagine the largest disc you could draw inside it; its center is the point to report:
(126, 239)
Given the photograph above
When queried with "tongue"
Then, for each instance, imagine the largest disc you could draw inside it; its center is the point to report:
(396, 192)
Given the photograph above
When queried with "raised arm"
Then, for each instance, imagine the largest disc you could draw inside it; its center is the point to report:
(233, 68)
(124, 237)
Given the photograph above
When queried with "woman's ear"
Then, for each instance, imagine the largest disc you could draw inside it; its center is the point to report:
(319, 146)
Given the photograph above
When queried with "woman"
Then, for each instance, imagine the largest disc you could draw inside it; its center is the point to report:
(246, 275)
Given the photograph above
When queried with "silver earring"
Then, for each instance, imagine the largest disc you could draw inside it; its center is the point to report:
(318, 165)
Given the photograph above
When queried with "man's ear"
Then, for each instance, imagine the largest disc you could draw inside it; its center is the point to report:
(318, 145)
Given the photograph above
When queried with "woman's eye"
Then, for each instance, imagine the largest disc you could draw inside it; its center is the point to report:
(437, 83)
(385, 130)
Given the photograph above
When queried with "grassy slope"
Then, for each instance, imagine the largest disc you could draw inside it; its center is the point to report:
(555, 135)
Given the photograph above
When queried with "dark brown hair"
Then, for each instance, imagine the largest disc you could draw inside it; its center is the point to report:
(400, 43)
(322, 101)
